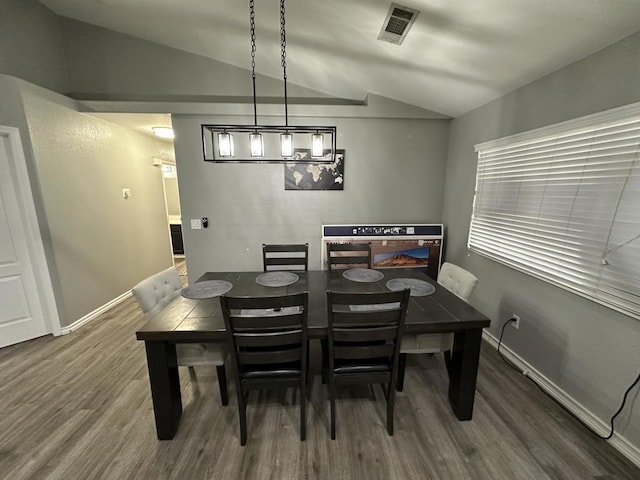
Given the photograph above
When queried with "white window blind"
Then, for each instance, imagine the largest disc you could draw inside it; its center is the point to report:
(562, 203)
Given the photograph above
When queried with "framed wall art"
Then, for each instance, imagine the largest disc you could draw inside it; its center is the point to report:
(303, 174)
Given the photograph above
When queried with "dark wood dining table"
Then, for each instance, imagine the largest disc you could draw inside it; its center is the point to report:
(187, 320)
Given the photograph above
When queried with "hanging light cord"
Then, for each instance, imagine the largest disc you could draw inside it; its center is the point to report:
(283, 54)
(252, 24)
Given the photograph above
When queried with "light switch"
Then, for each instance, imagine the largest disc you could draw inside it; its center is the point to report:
(126, 193)
(196, 224)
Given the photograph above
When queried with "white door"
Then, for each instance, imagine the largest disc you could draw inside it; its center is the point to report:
(21, 307)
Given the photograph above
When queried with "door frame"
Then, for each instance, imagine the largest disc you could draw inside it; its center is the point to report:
(35, 245)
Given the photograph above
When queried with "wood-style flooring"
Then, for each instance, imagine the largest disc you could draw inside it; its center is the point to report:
(79, 407)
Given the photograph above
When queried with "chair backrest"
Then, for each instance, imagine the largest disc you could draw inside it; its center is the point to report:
(157, 291)
(457, 280)
(285, 256)
(348, 255)
(267, 336)
(365, 330)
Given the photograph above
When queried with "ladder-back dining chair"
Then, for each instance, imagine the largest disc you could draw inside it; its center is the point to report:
(461, 283)
(156, 292)
(348, 255)
(285, 256)
(267, 338)
(364, 331)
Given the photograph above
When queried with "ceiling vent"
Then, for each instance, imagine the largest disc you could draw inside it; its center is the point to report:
(397, 24)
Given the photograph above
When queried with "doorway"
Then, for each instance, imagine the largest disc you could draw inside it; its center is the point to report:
(174, 215)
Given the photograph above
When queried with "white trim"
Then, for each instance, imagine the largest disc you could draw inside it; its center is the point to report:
(620, 443)
(588, 121)
(96, 313)
(32, 230)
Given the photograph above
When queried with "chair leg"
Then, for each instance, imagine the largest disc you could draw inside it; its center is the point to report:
(222, 383)
(402, 363)
(309, 376)
(390, 401)
(332, 399)
(242, 412)
(303, 412)
(325, 360)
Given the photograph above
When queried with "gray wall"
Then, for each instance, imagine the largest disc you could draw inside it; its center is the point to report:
(588, 351)
(31, 44)
(97, 244)
(118, 66)
(101, 243)
(394, 173)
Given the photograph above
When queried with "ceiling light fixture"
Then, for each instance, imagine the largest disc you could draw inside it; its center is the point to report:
(163, 132)
(268, 143)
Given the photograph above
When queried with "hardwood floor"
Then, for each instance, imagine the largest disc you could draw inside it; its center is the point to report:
(79, 407)
(181, 265)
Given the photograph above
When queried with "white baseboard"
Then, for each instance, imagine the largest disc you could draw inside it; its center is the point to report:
(620, 443)
(96, 313)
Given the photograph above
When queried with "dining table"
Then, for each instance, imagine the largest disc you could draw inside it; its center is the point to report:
(200, 320)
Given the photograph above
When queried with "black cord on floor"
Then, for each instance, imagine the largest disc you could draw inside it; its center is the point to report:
(624, 399)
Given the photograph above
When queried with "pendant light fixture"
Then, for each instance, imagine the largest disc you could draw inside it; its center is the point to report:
(225, 144)
(317, 145)
(218, 140)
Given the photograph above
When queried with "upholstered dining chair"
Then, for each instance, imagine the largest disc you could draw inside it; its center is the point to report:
(364, 331)
(348, 255)
(285, 256)
(156, 292)
(461, 283)
(267, 338)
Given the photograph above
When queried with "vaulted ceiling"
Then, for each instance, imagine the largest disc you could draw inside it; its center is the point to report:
(458, 55)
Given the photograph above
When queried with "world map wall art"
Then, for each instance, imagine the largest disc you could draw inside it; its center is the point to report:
(305, 175)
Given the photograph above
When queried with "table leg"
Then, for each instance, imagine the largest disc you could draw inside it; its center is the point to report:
(165, 387)
(463, 371)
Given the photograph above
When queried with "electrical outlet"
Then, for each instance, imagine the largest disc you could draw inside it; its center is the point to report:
(515, 321)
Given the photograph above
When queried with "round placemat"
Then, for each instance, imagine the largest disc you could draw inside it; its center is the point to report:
(207, 289)
(277, 279)
(366, 275)
(419, 288)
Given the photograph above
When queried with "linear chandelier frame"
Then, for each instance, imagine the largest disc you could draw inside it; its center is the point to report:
(302, 140)
(295, 143)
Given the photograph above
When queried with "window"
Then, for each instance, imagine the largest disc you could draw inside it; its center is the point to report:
(562, 203)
